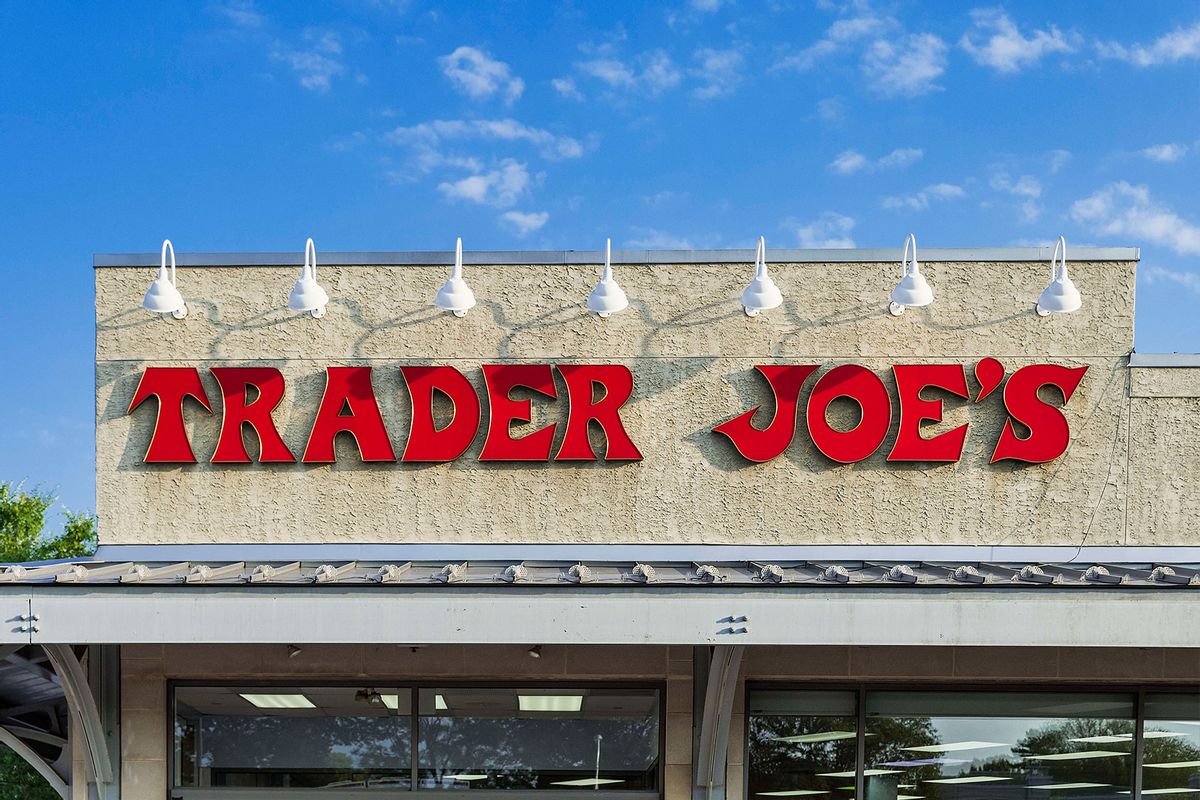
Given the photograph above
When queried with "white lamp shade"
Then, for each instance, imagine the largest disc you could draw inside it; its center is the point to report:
(912, 290)
(162, 297)
(307, 294)
(762, 294)
(455, 296)
(607, 298)
(1060, 297)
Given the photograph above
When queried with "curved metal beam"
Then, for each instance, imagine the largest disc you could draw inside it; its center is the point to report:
(82, 704)
(34, 760)
(708, 782)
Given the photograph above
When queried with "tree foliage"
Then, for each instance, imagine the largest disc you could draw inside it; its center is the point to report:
(23, 537)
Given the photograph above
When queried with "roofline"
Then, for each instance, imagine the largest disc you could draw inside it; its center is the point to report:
(629, 553)
(1164, 360)
(564, 257)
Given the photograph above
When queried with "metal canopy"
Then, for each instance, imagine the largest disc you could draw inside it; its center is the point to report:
(566, 573)
(656, 613)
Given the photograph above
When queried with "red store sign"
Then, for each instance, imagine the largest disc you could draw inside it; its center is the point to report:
(250, 395)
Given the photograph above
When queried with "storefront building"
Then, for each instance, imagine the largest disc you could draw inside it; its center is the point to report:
(824, 551)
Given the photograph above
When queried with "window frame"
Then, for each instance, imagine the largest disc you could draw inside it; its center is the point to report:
(414, 687)
(1135, 691)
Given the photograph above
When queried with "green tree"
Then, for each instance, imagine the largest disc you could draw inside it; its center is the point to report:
(23, 537)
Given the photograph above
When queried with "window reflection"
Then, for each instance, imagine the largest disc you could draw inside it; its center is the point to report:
(328, 737)
(998, 746)
(523, 738)
(1171, 750)
(802, 744)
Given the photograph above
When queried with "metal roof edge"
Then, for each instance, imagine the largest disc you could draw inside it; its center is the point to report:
(566, 257)
(1183, 360)
(637, 552)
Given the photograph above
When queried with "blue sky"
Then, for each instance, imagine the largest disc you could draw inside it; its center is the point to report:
(375, 125)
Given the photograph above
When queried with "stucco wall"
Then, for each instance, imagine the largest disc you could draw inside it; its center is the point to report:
(692, 353)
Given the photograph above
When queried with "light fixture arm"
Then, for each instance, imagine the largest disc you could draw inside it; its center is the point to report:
(904, 262)
(1058, 268)
(456, 272)
(167, 247)
(310, 259)
(607, 274)
(760, 260)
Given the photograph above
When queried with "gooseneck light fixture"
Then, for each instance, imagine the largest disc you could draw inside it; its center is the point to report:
(307, 294)
(607, 298)
(163, 296)
(455, 296)
(1061, 296)
(912, 290)
(762, 294)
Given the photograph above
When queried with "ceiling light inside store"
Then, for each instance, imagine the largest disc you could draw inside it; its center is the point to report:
(1174, 764)
(791, 793)
(969, 779)
(1080, 756)
(850, 774)
(587, 782)
(950, 747)
(392, 701)
(465, 777)
(1070, 785)
(278, 700)
(811, 738)
(1169, 790)
(551, 702)
(1113, 738)
(439, 703)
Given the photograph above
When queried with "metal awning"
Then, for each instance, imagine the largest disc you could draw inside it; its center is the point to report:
(574, 602)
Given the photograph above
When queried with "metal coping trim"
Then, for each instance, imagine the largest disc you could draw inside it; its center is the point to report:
(568, 257)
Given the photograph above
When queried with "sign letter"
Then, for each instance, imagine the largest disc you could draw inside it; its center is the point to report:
(427, 442)
(171, 386)
(763, 444)
(1049, 433)
(349, 389)
(238, 410)
(503, 410)
(617, 383)
(863, 387)
(915, 410)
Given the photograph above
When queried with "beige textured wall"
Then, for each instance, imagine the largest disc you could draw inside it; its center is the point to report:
(692, 352)
(145, 670)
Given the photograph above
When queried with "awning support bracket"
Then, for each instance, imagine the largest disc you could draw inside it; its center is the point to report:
(721, 665)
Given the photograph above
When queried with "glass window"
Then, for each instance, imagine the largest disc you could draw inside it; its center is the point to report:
(325, 737)
(998, 746)
(544, 738)
(802, 744)
(1171, 746)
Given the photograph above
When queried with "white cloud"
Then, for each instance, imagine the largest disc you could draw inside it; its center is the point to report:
(830, 230)
(838, 37)
(905, 68)
(707, 6)
(1003, 48)
(1178, 45)
(317, 63)
(831, 109)
(654, 239)
(1059, 159)
(566, 88)
(1024, 186)
(720, 71)
(849, 162)
(657, 73)
(431, 134)
(499, 187)
(242, 13)
(479, 76)
(524, 223)
(921, 200)
(1122, 209)
(1166, 153)
(1188, 280)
